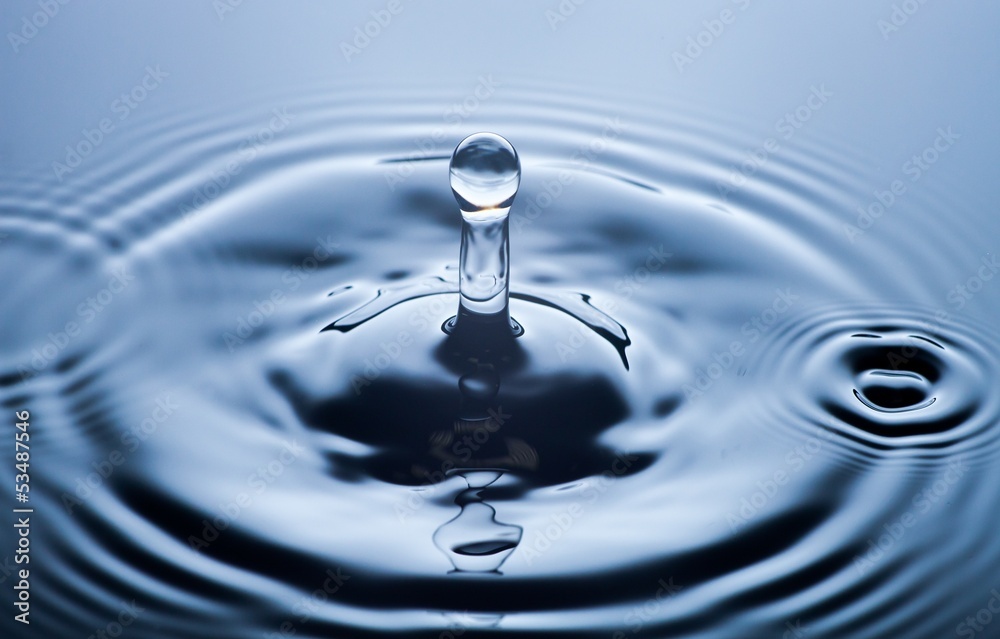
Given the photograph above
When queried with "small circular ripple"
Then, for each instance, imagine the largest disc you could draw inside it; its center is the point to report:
(893, 383)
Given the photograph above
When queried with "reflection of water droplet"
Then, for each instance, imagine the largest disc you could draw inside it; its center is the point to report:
(485, 548)
(485, 173)
(481, 477)
(474, 541)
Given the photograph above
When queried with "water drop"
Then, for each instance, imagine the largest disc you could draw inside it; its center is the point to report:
(485, 173)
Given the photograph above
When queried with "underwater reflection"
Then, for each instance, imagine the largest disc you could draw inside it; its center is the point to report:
(474, 541)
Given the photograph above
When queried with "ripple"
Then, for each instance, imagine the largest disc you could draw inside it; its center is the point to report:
(893, 383)
(656, 244)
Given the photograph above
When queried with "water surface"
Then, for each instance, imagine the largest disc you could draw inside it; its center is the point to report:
(763, 413)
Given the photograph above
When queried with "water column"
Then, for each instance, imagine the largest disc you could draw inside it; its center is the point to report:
(485, 174)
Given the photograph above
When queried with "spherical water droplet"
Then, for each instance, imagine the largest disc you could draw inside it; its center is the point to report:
(485, 173)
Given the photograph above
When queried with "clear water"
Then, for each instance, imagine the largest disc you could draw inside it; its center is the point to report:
(735, 408)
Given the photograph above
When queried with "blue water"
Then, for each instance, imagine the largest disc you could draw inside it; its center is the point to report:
(752, 252)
